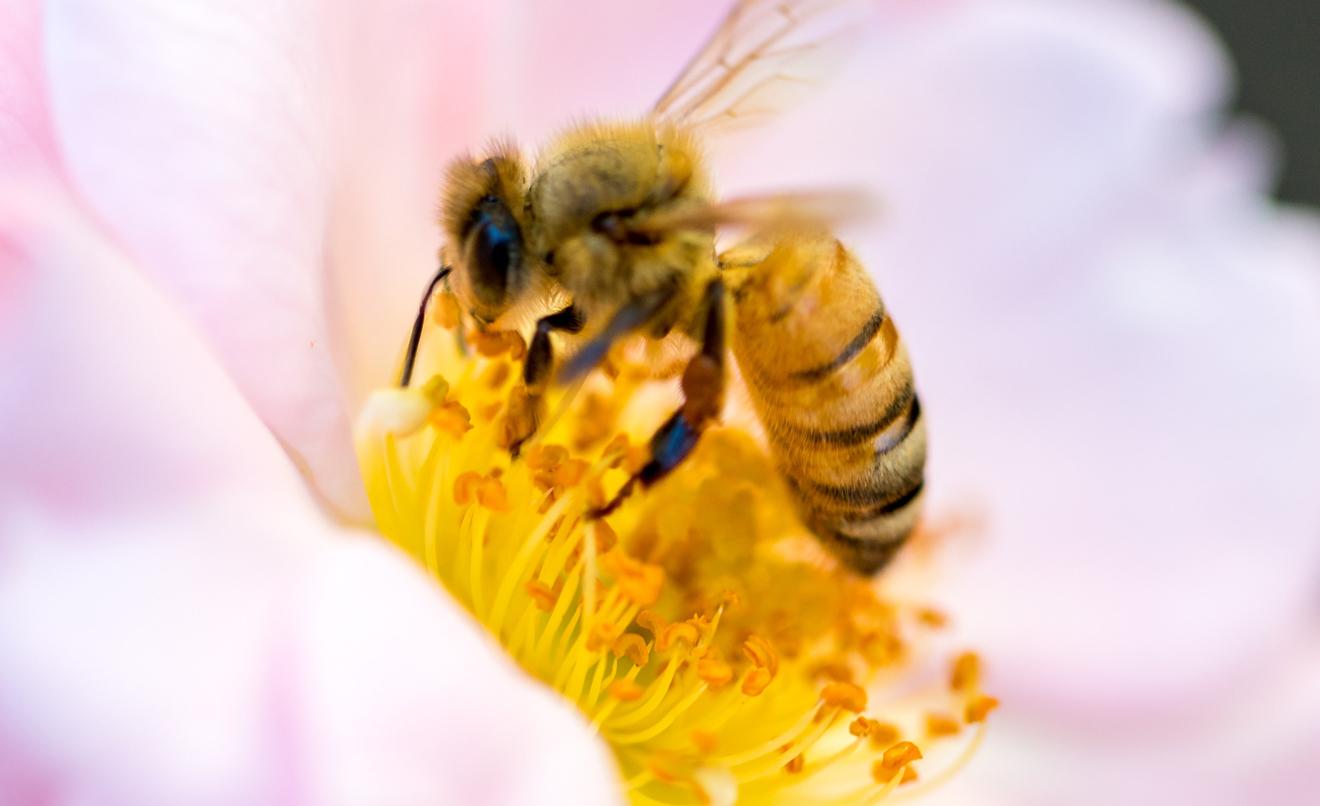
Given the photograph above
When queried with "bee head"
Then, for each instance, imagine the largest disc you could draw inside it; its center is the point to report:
(482, 212)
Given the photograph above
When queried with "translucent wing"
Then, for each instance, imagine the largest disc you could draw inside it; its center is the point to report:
(763, 56)
(806, 210)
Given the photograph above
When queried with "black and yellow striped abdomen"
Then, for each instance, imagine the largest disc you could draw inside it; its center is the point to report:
(832, 384)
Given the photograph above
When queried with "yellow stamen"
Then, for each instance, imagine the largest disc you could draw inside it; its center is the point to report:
(696, 627)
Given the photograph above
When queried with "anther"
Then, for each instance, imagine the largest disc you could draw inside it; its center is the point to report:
(465, 487)
(941, 725)
(675, 633)
(756, 680)
(979, 708)
(543, 596)
(492, 496)
(759, 652)
(845, 695)
(633, 647)
(716, 673)
(545, 457)
(452, 419)
(966, 672)
(900, 754)
(652, 622)
(895, 759)
(569, 473)
(625, 690)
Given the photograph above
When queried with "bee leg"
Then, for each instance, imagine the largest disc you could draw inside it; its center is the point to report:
(525, 407)
(628, 318)
(703, 397)
(415, 338)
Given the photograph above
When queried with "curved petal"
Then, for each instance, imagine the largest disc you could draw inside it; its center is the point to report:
(272, 167)
(171, 601)
(26, 140)
(426, 701)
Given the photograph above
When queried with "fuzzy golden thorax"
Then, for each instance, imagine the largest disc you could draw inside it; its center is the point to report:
(580, 219)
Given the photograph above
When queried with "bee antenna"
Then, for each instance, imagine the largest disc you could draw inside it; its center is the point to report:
(416, 337)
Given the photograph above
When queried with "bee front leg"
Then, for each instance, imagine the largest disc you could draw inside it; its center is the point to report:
(527, 404)
(703, 397)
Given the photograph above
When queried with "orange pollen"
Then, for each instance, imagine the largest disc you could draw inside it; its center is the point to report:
(492, 495)
(639, 582)
(966, 673)
(716, 673)
(603, 634)
(490, 343)
(979, 708)
(625, 690)
(545, 457)
(570, 473)
(881, 649)
(760, 653)
(940, 725)
(909, 775)
(862, 727)
(465, 487)
(935, 619)
(900, 754)
(845, 695)
(674, 633)
(795, 764)
(755, 681)
(451, 418)
(834, 670)
(632, 646)
(651, 621)
(884, 734)
(543, 596)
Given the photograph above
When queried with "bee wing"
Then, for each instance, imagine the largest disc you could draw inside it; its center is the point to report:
(761, 58)
(763, 212)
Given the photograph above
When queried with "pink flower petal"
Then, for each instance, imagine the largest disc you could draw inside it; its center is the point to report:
(273, 168)
(26, 140)
(178, 622)
(400, 687)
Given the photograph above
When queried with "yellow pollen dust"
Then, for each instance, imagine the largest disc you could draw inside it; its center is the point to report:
(715, 647)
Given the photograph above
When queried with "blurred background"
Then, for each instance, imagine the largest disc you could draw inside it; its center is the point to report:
(1276, 45)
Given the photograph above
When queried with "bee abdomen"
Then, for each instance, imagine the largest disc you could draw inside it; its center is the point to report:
(833, 386)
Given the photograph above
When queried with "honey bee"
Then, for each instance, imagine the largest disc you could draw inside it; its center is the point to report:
(619, 221)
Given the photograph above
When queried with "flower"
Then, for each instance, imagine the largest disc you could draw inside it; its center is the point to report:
(215, 220)
(716, 650)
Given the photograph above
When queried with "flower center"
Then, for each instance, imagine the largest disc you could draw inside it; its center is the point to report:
(721, 654)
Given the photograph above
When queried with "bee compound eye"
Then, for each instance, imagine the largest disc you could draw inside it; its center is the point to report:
(494, 252)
